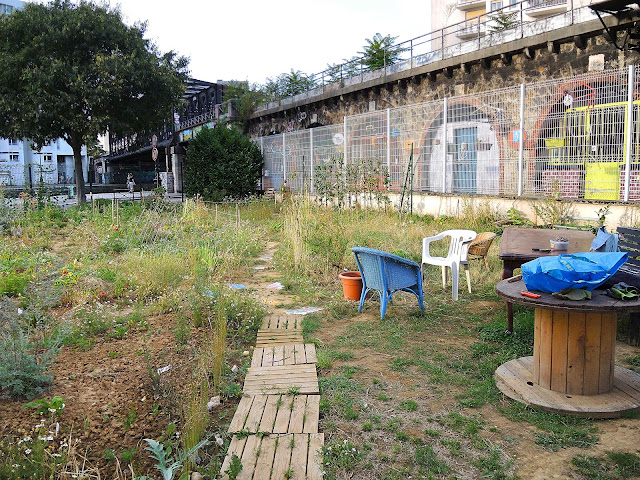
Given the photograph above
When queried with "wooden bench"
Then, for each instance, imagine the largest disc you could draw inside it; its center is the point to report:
(629, 241)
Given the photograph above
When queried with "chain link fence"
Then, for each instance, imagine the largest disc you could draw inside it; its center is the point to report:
(575, 137)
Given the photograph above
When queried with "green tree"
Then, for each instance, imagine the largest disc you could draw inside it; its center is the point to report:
(241, 98)
(222, 162)
(288, 85)
(380, 51)
(74, 70)
(502, 21)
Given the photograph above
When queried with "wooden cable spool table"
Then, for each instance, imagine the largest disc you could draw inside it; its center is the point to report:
(572, 369)
(518, 244)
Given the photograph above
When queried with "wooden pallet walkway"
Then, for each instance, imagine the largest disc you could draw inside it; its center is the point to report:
(277, 457)
(275, 427)
(279, 355)
(287, 379)
(282, 322)
(270, 338)
(277, 414)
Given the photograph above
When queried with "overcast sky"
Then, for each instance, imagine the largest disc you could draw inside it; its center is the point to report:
(252, 40)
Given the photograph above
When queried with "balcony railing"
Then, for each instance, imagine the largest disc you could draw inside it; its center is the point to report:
(473, 29)
(466, 5)
(537, 8)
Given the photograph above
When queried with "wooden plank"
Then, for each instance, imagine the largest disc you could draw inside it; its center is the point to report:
(265, 459)
(289, 355)
(592, 353)
(267, 357)
(269, 415)
(278, 337)
(299, 456)
(278, 356)
(559, 351)
(300, 356)
(256, 360)
(575, 353)
(536, 344)
(629, 382)
(235, 447)
(240, 417)
(546, 336)
(296, 424)
(314, 456)
(310, 350)
(275, 334)
(255, 414)
(249, 457)
(284, 415)
(275, 372)
(283, 457)
(312, 414)
(607, 352)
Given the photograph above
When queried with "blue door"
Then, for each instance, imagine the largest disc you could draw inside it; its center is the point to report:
(465, 161)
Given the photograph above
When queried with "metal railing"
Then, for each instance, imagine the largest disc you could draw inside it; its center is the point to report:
(577, 140)
(442, 44)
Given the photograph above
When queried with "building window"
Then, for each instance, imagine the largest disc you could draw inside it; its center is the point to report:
(504, 3)
(14, 157)
(47, 157)
(13, 141)
(5, 9)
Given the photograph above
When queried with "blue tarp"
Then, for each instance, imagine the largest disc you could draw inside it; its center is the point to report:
(579, 270)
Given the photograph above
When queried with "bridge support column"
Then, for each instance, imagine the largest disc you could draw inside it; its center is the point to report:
(177, 158)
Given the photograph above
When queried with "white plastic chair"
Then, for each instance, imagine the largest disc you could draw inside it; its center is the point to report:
(460, 240)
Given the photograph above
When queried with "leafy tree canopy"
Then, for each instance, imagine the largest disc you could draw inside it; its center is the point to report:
(380, 51)
(75, 70)
(222, 162)
(244, 97)
(288, 84)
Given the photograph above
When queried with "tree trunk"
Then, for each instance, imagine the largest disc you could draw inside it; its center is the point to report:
(76, 144)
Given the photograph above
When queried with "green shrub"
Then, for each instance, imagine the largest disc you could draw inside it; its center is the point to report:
(23, 374)
(222, 162)
(13, 284)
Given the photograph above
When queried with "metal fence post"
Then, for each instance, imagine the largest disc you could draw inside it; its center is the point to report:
(344, 167)
(445, 113)
(389, 140)
(311, 155)
(629, 129)
(442, 44)
(411, 46)
(284, 158)
(572, 13)
(521, 143)
(261, 153)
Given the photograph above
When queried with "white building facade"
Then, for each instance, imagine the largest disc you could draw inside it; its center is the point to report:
(470, 19)
(22, 164)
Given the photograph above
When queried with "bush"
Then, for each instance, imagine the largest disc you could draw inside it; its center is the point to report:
(23, 374)
(222, 162)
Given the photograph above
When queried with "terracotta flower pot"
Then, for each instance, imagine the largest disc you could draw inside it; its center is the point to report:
(351, 285)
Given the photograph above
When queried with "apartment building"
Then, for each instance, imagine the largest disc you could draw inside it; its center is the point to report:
(463, 20)
(24, 165)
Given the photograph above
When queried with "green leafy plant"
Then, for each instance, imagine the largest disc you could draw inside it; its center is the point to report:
(23, 372)
(235, 467)
(43, 406)
(167, 464)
